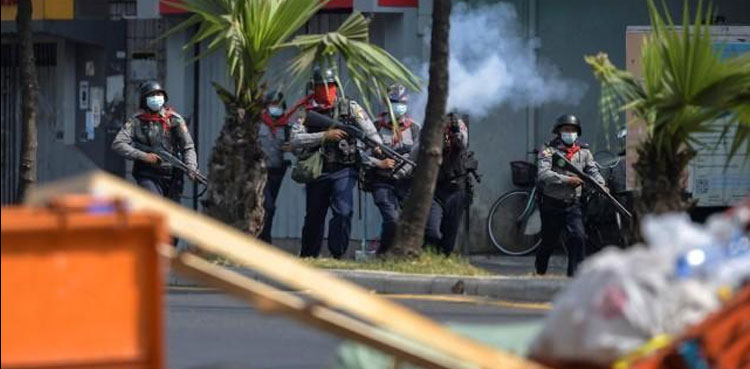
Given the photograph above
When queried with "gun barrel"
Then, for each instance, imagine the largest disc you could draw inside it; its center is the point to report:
(593, 183)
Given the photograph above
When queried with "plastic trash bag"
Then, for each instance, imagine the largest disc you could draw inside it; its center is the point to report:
(620, 299)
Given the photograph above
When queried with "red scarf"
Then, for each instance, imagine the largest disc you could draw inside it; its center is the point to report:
(272, 124)
(403, 124)
(572, 150)
(157, 117)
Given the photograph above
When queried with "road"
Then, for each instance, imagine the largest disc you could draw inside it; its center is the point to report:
(209, 330)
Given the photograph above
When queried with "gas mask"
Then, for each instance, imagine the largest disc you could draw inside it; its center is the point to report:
(155, 102)
(275, 111)
(399, 109)
(568, 137)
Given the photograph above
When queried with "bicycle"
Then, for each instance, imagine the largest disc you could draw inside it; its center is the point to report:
(515, 214)
(514, 222)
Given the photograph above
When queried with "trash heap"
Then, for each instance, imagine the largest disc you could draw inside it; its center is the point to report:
(625, 305)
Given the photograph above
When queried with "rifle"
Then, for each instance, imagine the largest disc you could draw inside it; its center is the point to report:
(562, 162)
(320, 121)
(174, 161)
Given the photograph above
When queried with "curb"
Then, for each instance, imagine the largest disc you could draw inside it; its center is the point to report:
(524, 289)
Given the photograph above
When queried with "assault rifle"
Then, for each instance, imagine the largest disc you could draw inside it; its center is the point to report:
(562, 162)
(174, 161)
(320, 121)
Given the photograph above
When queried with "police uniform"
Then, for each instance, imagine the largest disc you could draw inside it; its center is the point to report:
(450, 198)
(389, 189)
(335, 187)
(165, 129)
(273, 133)
(560, 203)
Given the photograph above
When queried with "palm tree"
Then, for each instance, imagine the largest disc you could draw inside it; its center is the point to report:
(29, 98)
(686, 89)
(410, 234)
(250, 33)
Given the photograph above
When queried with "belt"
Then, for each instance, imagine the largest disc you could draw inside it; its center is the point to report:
(335, 167)
(558, 203)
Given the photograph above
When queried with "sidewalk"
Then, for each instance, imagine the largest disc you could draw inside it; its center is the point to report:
(512, 279)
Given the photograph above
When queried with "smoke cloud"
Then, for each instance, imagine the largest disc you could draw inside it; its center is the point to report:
(492, 63)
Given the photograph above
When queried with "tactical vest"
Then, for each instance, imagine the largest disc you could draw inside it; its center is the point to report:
(155, 133)
(342, 152)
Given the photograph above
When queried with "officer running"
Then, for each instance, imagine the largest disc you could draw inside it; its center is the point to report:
(342, 157)
(156, 125)
(389, 188)
(561, 193)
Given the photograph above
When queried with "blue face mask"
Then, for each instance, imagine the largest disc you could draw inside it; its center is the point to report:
(275, 111)
(569, 137)
(400, 109)
(155, 102)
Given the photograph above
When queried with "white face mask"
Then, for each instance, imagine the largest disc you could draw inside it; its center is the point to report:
(399, 109)
(275, 111)
(155, 102)
(569, 137)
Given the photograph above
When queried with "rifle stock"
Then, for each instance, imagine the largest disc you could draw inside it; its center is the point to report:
(567, 165)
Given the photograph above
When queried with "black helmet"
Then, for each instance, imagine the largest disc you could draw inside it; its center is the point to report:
(150, 87)
(326, 76)
(397, 93)
(273, 96)
(567, 120)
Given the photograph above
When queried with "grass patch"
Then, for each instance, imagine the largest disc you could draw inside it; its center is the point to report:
(430, 262)
(427, 263)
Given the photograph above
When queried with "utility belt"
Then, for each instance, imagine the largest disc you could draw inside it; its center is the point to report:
(558, 203)
(330, 167)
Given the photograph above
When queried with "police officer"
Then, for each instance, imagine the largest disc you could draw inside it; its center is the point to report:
(450, 198)
(342, 155)
(156, 125)
(273, 134)
(561, 193)
(389, 187)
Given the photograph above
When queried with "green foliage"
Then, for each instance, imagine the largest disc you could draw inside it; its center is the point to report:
(686, 86)
(371, 68)
(251, 32)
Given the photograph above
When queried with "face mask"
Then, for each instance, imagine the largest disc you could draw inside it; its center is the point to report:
(155, 102)
(325, 94)
(275, 111)
(569, 137)
(399, 109)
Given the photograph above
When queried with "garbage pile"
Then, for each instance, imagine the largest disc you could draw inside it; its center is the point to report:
(624, 304)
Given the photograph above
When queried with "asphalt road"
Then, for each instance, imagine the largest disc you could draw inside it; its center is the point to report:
(210, 330)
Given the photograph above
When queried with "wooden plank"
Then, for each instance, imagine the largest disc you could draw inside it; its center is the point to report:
(216, 237)
(271, 300)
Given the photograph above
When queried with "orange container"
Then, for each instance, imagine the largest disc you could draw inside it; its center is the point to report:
(81, 286)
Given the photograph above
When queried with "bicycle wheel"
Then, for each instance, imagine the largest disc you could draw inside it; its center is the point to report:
(503, 227)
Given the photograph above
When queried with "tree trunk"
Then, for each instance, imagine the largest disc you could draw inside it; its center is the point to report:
(29, 98)
(410, 233)
(237, 172)
(661, 175)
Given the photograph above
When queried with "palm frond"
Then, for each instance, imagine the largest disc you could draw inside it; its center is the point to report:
(248, 31)
(686, 86)
(370, 68)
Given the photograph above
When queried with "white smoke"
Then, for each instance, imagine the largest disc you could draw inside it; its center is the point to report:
(493, 63)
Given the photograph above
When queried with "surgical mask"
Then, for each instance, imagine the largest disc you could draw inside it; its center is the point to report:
(275, 111)
(569, 137)
(399, 109)
(155, 102)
